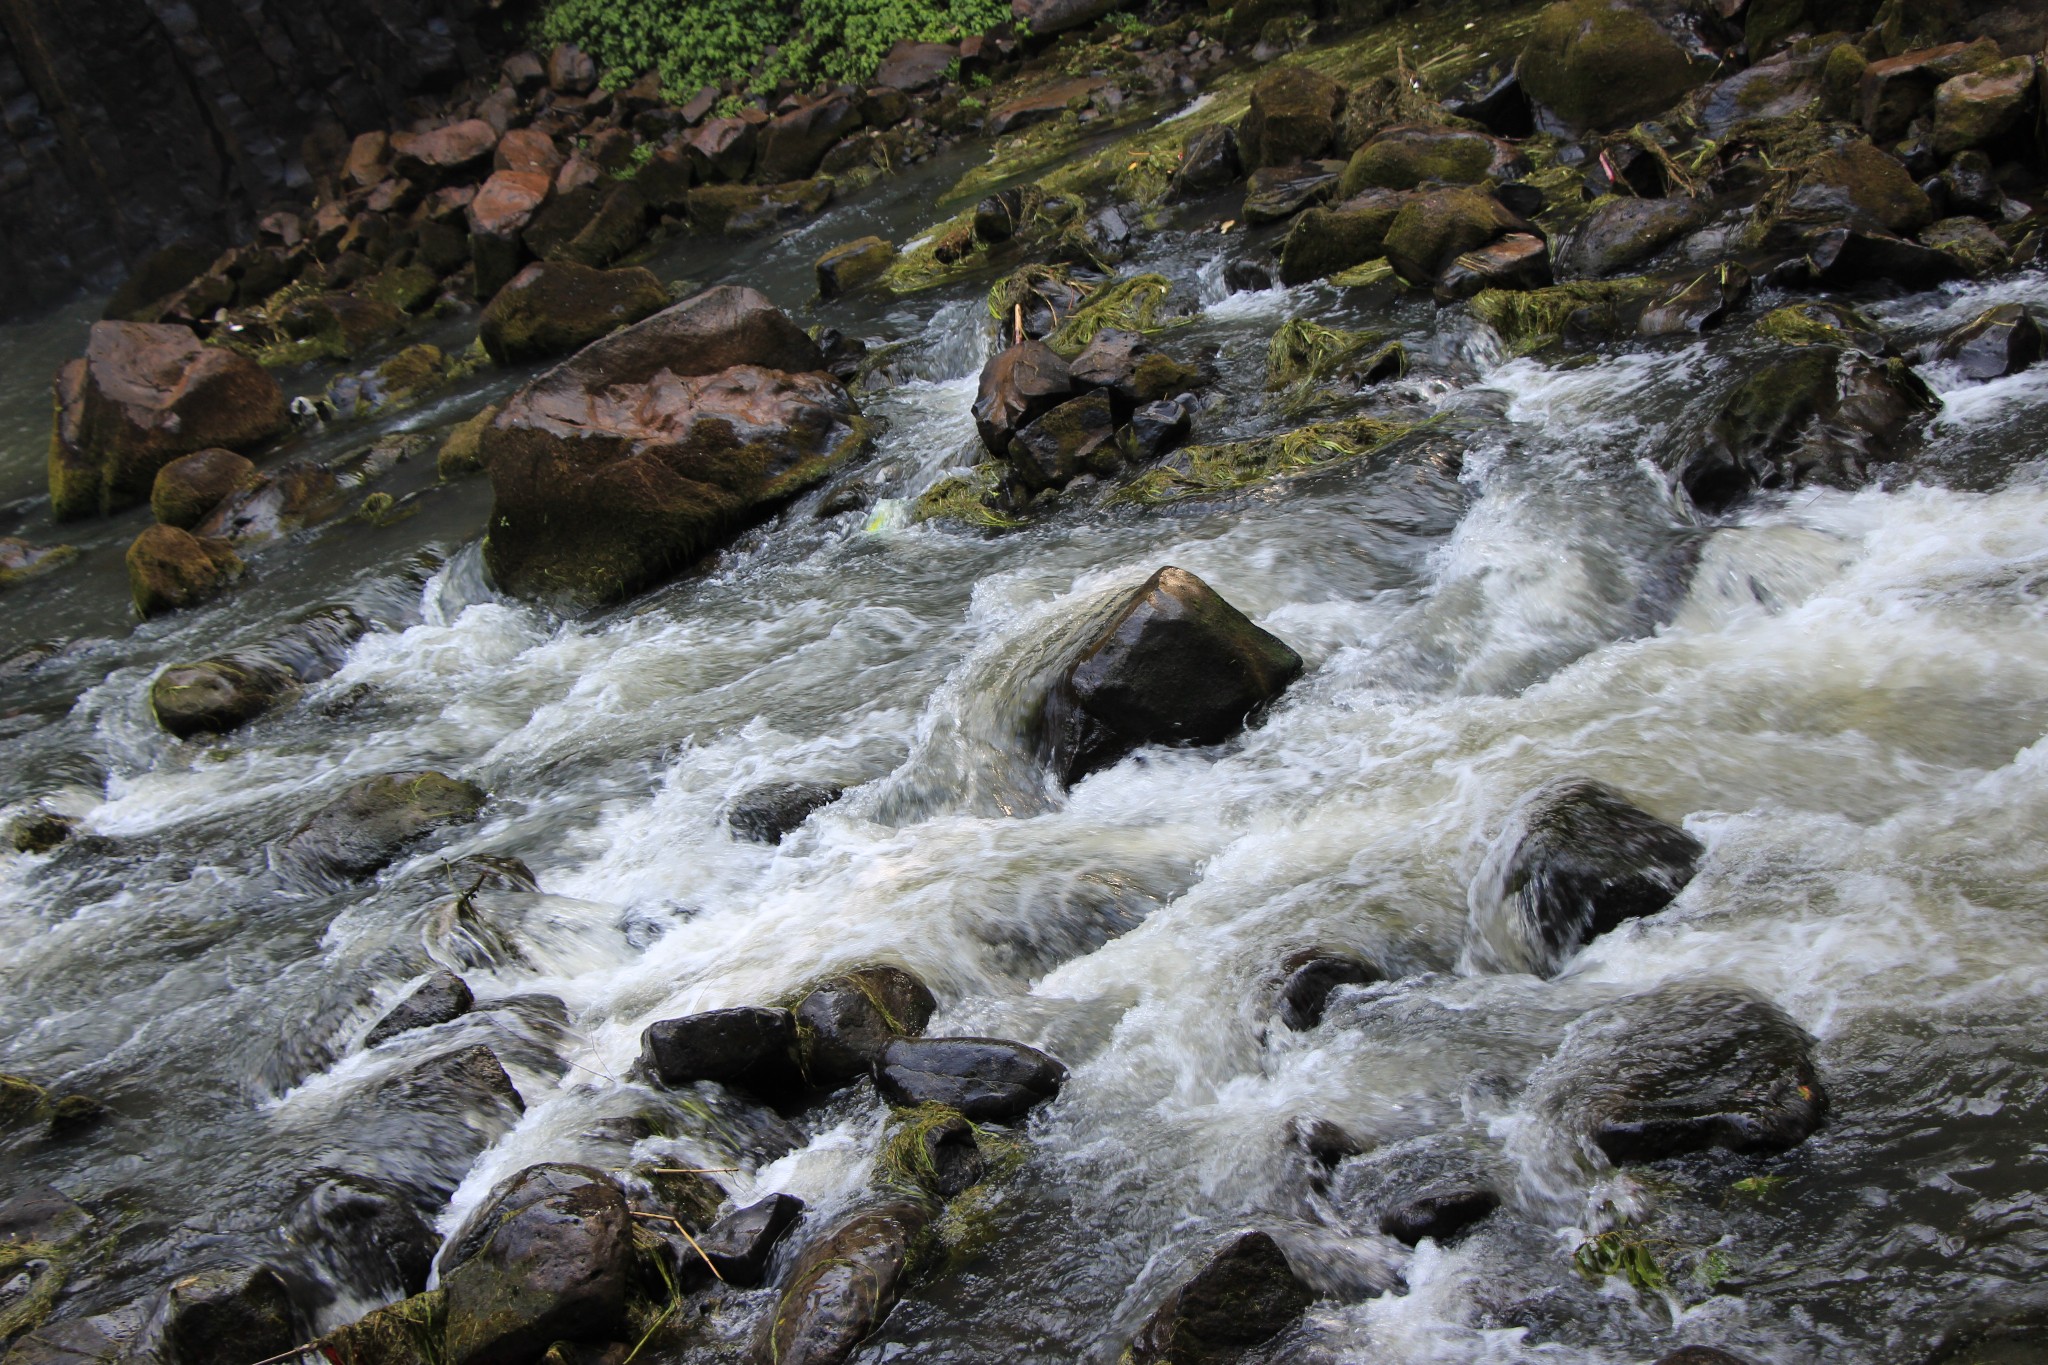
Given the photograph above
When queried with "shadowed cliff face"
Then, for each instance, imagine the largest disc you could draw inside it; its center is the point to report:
(127, 125)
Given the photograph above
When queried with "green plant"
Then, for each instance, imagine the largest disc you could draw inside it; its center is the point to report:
(1623, 1252)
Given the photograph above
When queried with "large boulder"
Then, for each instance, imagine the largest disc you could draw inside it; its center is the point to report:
(375, 819)
(555, 1270)
(515, 1193)
(793, 144)
(1293, 117)
(845, 1024)
(1243, 1296)
(192, 485)
(1602, 64)
(215, 695)
(1861, 186)
(1574, 861)
(143, 395)
(1978, 108)
(749, 1047)
(1176, 665)
(990, 1080)
(170, 569)
(1681, 1068)
(1819, 415)
(1323, 241)
(227, 1316)
(592, 225)
(1077, 437)
(1892, 91)
(1432, 230)
(363, 1234)
(1623, 233)
(651, 446)
(1414, 154)
(843, 1284)
(555, 307)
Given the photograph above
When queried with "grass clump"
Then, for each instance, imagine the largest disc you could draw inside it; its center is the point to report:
(1651, 1265)
(1304, 352)
(970, 498)
(1211, 470)
(1126, 305)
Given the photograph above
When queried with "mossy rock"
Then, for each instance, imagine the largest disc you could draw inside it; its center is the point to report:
(1407, 157)
(846, 268)
(1324, 241)
(1210, 471)
(1815, 322)
(973, 499)
(1132, 305)
(1601, 64)
(461, 450)
(170, 569)
(409, 1332)
(408, 288)
(1434, 229)
(1529, 319)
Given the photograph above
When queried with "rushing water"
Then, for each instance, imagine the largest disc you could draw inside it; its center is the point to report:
(1844, 699)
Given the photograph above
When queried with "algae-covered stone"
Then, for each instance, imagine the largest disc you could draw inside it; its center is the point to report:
(1894, 90)
(556, 1270)
(843, 1284)
(1243, 1296)
(170, 569)
(1018, 385)
(1863, 186)
(750, 210)
(1974, 109)
(1275, 193)
(1600, 64)
(1323, 241)
(846, 268)
(1411, 155)
(229, 1316)
(1622, 233)
(405, 1333)
(341, 326)
(1818, 322)
(1293, 117)
(592, 226)
(1434, 229)
(1972, 245)
(293, 495)
(190, 486)
(555, 307)
(462, 449)
(375, 819)
(845, 1024)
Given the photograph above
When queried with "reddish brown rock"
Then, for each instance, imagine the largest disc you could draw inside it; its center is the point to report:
(793, 144)
(460, 151)
(1893, 91)
(916, 66)
(571, 71)
(527, 149)
(498, 219)
(368, 156)
(1017, 386)
(722, 148)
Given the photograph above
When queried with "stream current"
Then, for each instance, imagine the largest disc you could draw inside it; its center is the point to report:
(1845, 699)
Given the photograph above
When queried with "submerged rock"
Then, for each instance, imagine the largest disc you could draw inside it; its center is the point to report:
(375, 819)
(170, 569)
(143, 395)
(1440, 1214)
(750, 1047)
(190, 486)
(1602, 64)
(1176, 665)
(843, 1284)
(1275, 193)
(988, 1080)
(740, 1243)
(440, 998)
(1997, 342)
(767, 814)
(1310, 979)
(1575, 860)
(845, 1024)
(1243, 1296)
(365, 1233)
(554, 1270)
(555, 307)
(223, 693)
(846, 268)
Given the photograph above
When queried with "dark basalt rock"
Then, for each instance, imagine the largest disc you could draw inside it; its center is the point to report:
(1680, 1069)
(1520, 260)
(1176, 665)
(1075, 438)
(1820, 415)
(521, 1190)
(285, 499)
(988, 1080)
(1018, 386)
(190, 486)
(846, 268)
(793, 143)
(845, 1024)
(1001, 216)
(843, 1284)
(1697, 304)
(1274, 193)
(1997, 342)
(363, 1234)
(1244, 1296)
(1574, 861)
(1131, 369)
(1209, 163)
(1439, 1215)
(945, 1156)
(1310, 979)
(750, 1047)
(469, 1078)
(555, 1270)
(1624, 233)
(376, 819)
(229, 1316)
(1293, 117)
(740, 1243)
(440, 998)
(555, 307)
(1156, 429)
(767, 814)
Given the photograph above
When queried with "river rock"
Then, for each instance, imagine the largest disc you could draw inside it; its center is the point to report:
(1623, 233)
(792, 144)
(768, 813)
(365, 1233)
(1432, 230)
(1819, 415)
(1018, 385)
(592, 226)
(1130, 370)
(1700, 1355)
(555, 307)
(1323, 241)
(229, 1316)
(375, 819)
(1415, 154)
(440, 998)
(1074, 438)
(1782, 86)
(750, 210)
(1845, 257)
(1041, 17)
(913, 65)
(846, 268)
(1156, 429)
(649, 447)
(1862, 186)
(515, 1193)
(143, 395)
(460, 151)
(1520, 260)
(1244, 1295)
(498, 218)
(1997, 342)
(554, 1270)
(406, 1333)
(170, 569)
(1575, 860)
(740, 1243)
(1440, 1215)
(1696, 304)
(571, 70)
(749, 1047)
(987, 1079)
(935, 1150)
(1894, 90)
(1176, 665)
(843, 1284)
(1977, 109)
(845, 1024)
(1601, 64)
(1311, 977)
(1209, 162)
(287, 498)
(190, 486)
(1678, 1069)
(722, 148)
(1292, 118)
(1273, 194)
(227, 691)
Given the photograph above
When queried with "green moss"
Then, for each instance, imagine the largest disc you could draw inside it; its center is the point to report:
(1600, 66)
(1212, 470)
(1021, 287)
(1814, 323)
(1533, 318)
(1130, 305)
(969, 498)
(410, 1332)
(1363, 276)
(905, 1158)
(947, 253)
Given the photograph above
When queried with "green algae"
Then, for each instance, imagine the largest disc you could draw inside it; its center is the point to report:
(1529, 319)
(969, 498)
(1213, 470)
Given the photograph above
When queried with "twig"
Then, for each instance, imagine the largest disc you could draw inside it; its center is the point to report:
(677, 1223)
(288, 1355)
(695, 1170)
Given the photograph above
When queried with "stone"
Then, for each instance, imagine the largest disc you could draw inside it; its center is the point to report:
(375, 819)
(648, 448)
(555, 307)
(1820, 415)
(1969, 244)
(935, 1151)
(665, 180)
(1176, 664)
(1310, 979)
(1292, 118)
(917, 66)
(793, 144)
(740, 1243)
(1000, 216)
(363, 1235)
(1970, 184)
(498, 218)
(527, 150)
(1682, 1068)
(722, 148)
(571, 71)
(1243, 1296)
(1621, 234)
(1018, 385)
(143, 395)
(170, 569)
(223, 693)
(1044, 17)
(846, 268)
(555, 1270)
(1518, 261)
(750, 1047)
(1072, 439)
(1040, 106)
(369, 159)
(1414, 154)
(751, 210)
(1432, 230)
(1156, 429)
(441, 997)
(844, 1282)
(1575, 860)
(766, 814)
(1323, 241)
(1130, 369)
(1778, 88)
(1209, 163)
(514, 1194)
(190, 486)
(1441, 1216)
(1846, 257)
(341, 326)
(461, 151)
(1273, 194)
(285, 499)
(591, 226)
(845, 1024)
(1894, 90)
(229, 1316)
(404, 1333)
(1700, 1355)
(988, 1080)
(1697, 304)
(1862, 186)
(1999, 341)
(1597, 65)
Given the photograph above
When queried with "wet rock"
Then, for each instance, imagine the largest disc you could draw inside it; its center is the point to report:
(1864, 187)
(649, 447)
(1275, 193)
(766, 814)
(440, 998)
(364, 1234)
(555, 307)
(1682, 1068)
(1700, 1355)
(1432, 230)
(1894, 90)
(1845, 257)
(1310, 979)
(1697, 304)
(282, 501)
(1520, 260)
(845, 1024)
(1973, 247)
(1000, 217)
(555, 1270)
(665, 179)
(1622, 234)
(1043, 17)
(341, 326)
(1176, 665)
(1970, 185)
(527, 149)
(1018, 386)
(1292, 118)
(986, 1079)
(793, 143)
(170, 569)
(1323, 241)
(722, 148)
(1598, 65)
(1074, 438)
(1130, 370)
(934, 1150)
(405, 1333)
(1209, 162)
(1415, 154)
(843, 1284)
(1977, 109)
(916, 66)
(1441, 1215)
(1243, 1296)
(846, 268)
(1820, 415)
(749, 1048)
(143, 395)
(750, 210)
(375, 819)
(1324, 1142)
(498, 218)
(592, 226)
(571, 71)
(1155, 429)
(514, 1194)
(740, 1243)
(1574, 861)
(228, 1316)
(38, 831)
(21, 560)
(461, 151)
(1997, 342)
(1783, 86)
(224, 693)
(466, 1079)
(188, 487)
